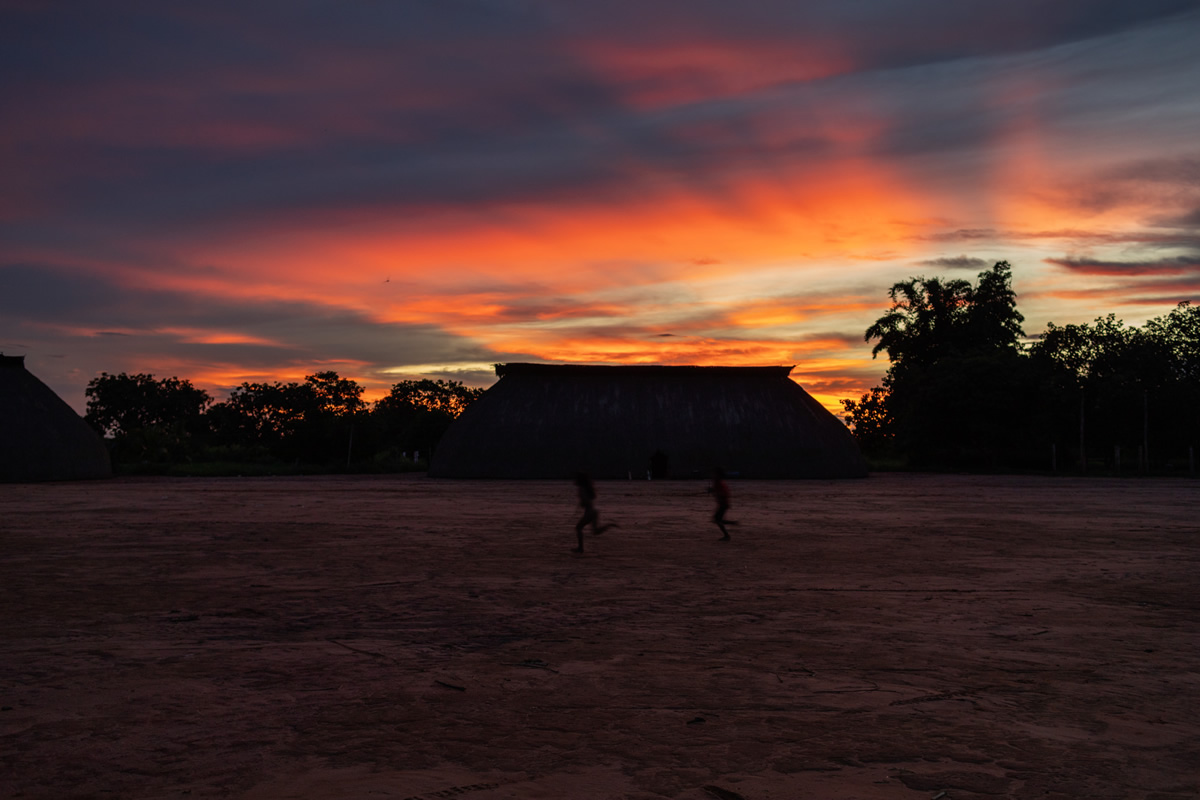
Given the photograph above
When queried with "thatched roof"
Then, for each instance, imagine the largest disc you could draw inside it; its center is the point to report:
(41, 437)
(551, 421)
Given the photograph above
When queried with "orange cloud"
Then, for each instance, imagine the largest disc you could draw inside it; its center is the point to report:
(773, 313)
(199, 336)
(843, 210)
(477, 309)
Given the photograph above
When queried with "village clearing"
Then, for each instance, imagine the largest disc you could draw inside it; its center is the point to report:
(901, 636)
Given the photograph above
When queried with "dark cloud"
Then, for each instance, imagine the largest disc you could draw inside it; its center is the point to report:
(130, 35)
(1174, 265)
(1179, 170)
(155, 113)
(847, 339)
(1164, 294)
(957, 262)
(1162, 185)
(210, 114)
(1155, 239)
(1188, 220)
(966, 234)
(45, 292)
(1137, 282)
(878, 33)
(1082, 238)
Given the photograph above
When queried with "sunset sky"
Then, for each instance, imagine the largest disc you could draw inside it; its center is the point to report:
(258, 191)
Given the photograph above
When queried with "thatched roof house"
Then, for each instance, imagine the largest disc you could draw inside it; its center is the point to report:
(41, 437)
(551, 421)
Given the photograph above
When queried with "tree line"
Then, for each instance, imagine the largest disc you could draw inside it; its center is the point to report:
(320, 424)
(965, 389)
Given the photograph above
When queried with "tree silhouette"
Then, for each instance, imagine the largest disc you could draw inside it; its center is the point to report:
(415, 414)
(146, 418)
(1117, 386)
(948, 342)
(931, 318)
(962, 390)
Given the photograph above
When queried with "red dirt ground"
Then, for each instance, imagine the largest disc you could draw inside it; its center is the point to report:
(902, 636)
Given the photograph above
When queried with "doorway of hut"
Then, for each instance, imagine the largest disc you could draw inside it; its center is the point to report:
(659, 464)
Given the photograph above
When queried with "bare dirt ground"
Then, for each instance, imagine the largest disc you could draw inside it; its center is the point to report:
(903, 636)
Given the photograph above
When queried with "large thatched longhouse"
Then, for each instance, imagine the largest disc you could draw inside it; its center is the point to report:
(41, 437)
(551, 421)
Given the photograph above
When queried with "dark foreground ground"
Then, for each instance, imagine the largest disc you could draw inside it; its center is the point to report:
(896, 637)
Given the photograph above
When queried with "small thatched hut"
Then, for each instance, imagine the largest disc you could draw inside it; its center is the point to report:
(41, 437)
(551, 421)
